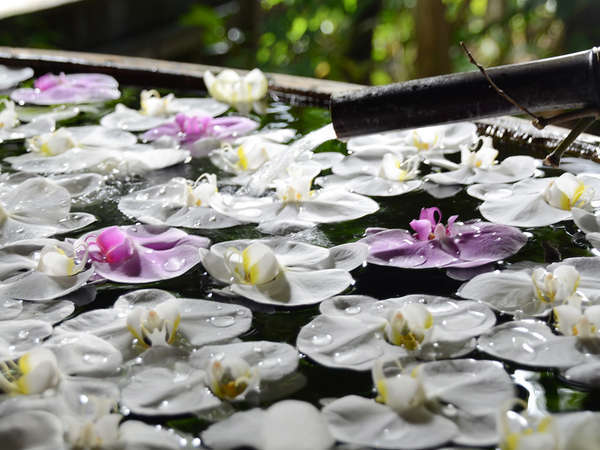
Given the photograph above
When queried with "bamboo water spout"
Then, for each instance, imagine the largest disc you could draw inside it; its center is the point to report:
(564, 82)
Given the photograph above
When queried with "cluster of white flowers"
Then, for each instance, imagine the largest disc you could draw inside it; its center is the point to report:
(73, 367)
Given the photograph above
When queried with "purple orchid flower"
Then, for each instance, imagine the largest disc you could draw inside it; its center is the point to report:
(433, 244)
(50, 89)
(143, 253)
(188, 129)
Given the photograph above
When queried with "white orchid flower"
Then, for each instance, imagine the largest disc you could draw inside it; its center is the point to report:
(11, 128)
(82, 187)
(179, 203)
(589, 223)
(211, 378)
(295, 205)
(376, 172)
(156, 110)
(412, 408)
(402, 392)
(354, 331)
(535, 291)
(572, 321)
(427, 141)
(524, 431)
(147, 318)
(95, 427)
(537, 202)
(41, 269)
(37, 207)
(249, 154)
(10, 77)
(481, 166)
(241, 92)
(30, 113)
(286, 424)
(230, 377)
(282, 272)
(21, 310)
(409, 326)
(33, 373)
(54, 376)
(116, 161)
(532, 343)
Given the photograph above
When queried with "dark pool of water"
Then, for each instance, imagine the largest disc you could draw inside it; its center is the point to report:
(547, 244)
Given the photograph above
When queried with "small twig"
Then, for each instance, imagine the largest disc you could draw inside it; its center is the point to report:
(553, 159)
(570, 115)
(536, 120)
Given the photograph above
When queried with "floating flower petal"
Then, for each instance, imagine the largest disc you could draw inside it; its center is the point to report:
(178, 203)
(53, 89)
(141, 254)
(10, 77)
(286, 424)
(230, 373)
(137, 321)
(428, 141)
(295, 204)
(434, 244)
(411, 412)
(37, 207)
(156, 110)
(282, 272)
(537, 202)
(240, 92)
(481, 167)
(354, 331)
(375, 172)
(535, 291)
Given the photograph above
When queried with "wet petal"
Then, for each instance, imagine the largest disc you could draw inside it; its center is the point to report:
(26, 430)
(10, 77)
(148, 393)
(361, 421)
(74, 88)
(272, 360)
(84, 354)
(531, 343)
(287, 424)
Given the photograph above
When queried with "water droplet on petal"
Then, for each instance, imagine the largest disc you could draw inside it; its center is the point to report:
(321, 339)
(352, 309)
(222, 321)
(23, 334)
(174, 264)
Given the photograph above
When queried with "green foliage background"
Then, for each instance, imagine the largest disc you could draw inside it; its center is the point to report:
(379, 41)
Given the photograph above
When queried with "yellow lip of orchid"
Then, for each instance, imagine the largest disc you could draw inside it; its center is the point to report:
(230, 377)
(229, 87)
(157, 326)
(425, 139)
(567, 192)
(33, 373)
(401, 391)
(52, 144)
(396, 168)
(200, 192)
(570, 320)
(54, 261)
(152, 104)
(297, 186)
(8, 116)
(256, 264)
(518, 431)
(409, 326)
(557, 286)
(484, 158)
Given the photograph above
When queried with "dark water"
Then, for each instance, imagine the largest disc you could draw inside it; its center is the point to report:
(547, 244)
